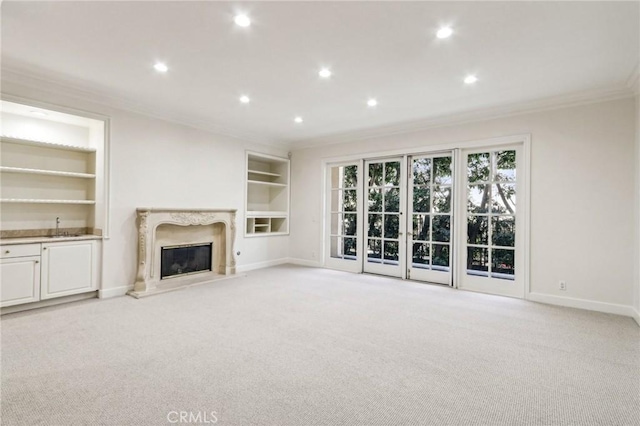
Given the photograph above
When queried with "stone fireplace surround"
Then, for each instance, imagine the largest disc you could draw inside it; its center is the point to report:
(158, 227)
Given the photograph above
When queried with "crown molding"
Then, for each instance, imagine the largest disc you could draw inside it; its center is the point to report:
(481, 114)
(61, 86)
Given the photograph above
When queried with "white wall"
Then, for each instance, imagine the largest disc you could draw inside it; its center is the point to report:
(155, 163)
(582, 196)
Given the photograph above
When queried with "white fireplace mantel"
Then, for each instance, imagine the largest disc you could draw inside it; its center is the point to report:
(213, 225)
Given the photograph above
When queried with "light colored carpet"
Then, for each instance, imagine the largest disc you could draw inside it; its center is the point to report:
(301, 346)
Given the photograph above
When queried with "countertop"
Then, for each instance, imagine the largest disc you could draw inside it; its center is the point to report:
(35, 240)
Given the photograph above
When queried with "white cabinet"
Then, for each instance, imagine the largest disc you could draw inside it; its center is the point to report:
(267, 211)
(68, 268)
(19, 274)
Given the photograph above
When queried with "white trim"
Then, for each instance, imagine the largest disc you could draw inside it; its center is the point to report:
(63, 86)
(526, 164)
(458, 227)
(590, 305)
(107, 293)
(569, 100)
(48, 302)
(51, 106)
(636, 316)
(260, 265)
(433, 149)
(304, 262)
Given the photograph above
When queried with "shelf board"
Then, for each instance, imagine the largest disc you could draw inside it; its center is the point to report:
(52, 145)
(264, 234)
(259, 182)
(258, 172)
(46, 172)
(257, 213)
(260, 225)
(40, 201)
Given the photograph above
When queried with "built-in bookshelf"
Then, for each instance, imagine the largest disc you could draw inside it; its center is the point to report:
(267, 203)
(52, 165)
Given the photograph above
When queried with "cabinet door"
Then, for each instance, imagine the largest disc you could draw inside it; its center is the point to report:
(68, 268)
(20, 280)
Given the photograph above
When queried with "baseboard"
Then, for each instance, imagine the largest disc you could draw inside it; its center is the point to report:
(304, 262)
(636, 316)
(260, 265)
(114, 292)
(590, 305)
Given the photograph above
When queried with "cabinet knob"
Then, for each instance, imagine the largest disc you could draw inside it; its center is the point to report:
(44, 248)
(37, 261)
(7, 251)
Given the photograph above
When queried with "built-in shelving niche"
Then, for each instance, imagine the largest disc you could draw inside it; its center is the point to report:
(267, 211)
(52, 164)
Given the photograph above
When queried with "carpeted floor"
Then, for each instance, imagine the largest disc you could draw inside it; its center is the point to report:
(300, 346)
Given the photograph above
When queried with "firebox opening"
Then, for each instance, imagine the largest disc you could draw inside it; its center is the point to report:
(185, 260)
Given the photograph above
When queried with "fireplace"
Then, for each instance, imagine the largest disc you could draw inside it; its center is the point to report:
(186, 259)
(180, 248)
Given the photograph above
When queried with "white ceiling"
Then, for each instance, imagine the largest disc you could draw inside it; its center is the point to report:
(387, 50)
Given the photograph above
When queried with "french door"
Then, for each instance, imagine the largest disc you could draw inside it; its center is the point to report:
(342, 211)
(408, 217)
(492, 255)
(384, 211)
(429, 243)
(448, 218)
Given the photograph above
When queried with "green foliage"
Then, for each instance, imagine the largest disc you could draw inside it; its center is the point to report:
(492, 191)
(422, 171)
(478, 167)
(442, 167)
(351, 176)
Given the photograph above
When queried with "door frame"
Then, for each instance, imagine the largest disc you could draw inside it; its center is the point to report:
(490, 284)
(430, 276)
(457, 147)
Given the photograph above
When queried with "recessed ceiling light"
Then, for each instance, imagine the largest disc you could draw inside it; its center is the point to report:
(245, 99)
(372, 102)
(242, 20)
(298, 119)
(470, 79)
(160, 67)
(444, 32)
(325, 73)
(38, 113)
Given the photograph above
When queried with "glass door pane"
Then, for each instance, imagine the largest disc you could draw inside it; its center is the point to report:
(383, 212)
(342, 216)
(429, 208)
(493, 244)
